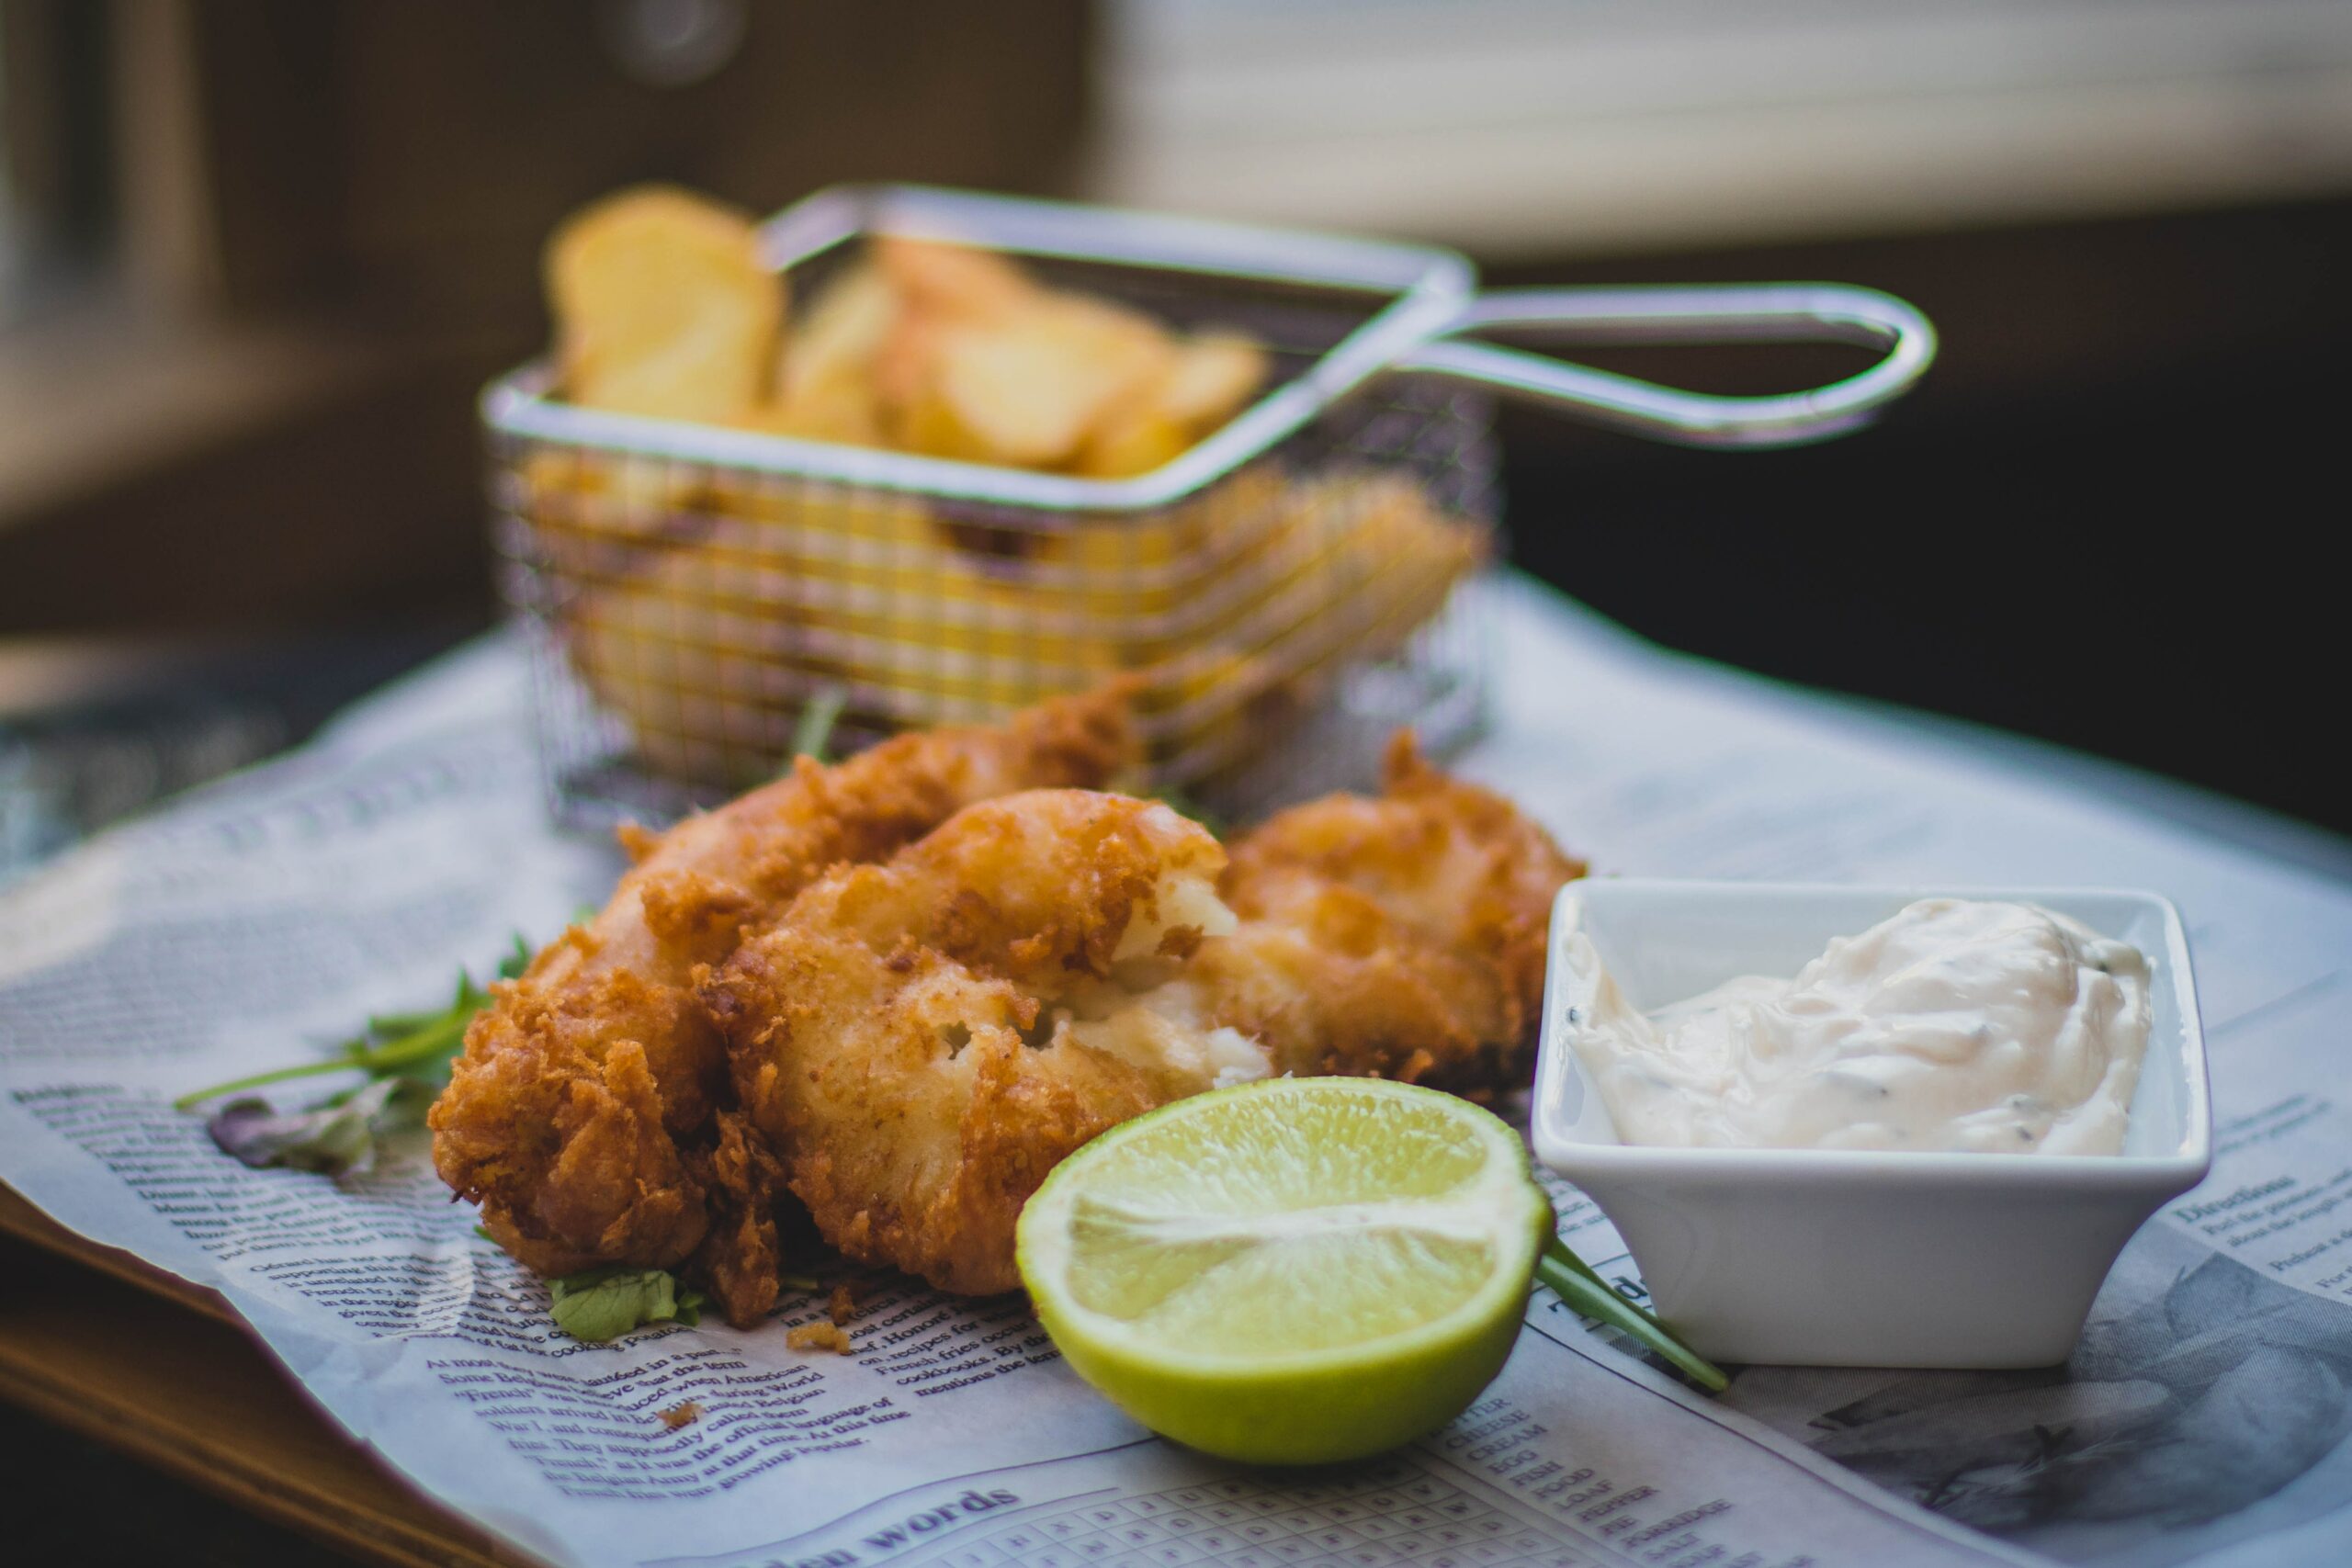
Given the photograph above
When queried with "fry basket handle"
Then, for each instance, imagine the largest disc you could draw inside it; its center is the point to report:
(1774, 312)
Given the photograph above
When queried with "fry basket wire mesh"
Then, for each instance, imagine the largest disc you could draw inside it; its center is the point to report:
(1279, 597)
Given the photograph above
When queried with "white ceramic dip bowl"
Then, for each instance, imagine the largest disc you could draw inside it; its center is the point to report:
(1858, 1257)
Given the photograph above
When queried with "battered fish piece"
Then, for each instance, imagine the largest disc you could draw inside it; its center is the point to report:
(1400, 936)
(591, 1116)
(921, 1041)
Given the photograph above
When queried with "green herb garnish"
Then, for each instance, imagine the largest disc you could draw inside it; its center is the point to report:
(406, 1058)
(414, 1045)
(1584, 1291)
(1183, 805)
(336, 1137)
(602, 1303)
(812, 732)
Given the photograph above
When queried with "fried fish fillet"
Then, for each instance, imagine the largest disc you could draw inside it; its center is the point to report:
(1396, 936)
(919, 1042)
(923, 1041)
(590, 1115)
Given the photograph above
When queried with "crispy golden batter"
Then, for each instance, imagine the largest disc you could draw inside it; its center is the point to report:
(1401, 936)
(901, 990)
(589, 1116)
(923, 1041)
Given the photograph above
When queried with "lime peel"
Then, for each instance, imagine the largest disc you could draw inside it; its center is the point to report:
(1293, 1270)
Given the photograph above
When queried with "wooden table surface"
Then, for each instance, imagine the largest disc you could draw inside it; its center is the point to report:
(102, 1344)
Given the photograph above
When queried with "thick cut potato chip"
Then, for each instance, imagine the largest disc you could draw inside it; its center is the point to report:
(616, 497)
(1225, 608)
(1205, 381)
(1026, 389)
(1213, 376)
(956, 281)
(825, 386)
(706, 603)
(1132, 441)
(707, 675)
(663, 306)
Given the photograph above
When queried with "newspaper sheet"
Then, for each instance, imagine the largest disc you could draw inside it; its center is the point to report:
(2204, 1416)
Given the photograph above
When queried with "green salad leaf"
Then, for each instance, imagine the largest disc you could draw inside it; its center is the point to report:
(602, 1303)
(336, 1137)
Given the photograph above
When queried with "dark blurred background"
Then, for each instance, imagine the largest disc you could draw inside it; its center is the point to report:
(256, 257)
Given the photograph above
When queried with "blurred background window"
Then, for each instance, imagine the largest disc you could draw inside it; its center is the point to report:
(1526, 129)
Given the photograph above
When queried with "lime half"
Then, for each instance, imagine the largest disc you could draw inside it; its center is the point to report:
(1290, 1272)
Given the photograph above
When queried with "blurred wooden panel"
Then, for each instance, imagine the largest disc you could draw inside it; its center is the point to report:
(168, 220)
(51, 136)
(416, 155)
(238, 477)
(21, 1222)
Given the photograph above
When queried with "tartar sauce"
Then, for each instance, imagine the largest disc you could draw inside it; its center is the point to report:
(1957, 1025)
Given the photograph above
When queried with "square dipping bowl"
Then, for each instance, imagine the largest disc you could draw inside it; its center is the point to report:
(1858, 1257)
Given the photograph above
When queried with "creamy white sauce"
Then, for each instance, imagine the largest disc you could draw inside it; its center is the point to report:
(1956, 1026)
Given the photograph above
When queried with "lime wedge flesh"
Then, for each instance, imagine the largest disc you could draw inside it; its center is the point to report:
(1292, 1271)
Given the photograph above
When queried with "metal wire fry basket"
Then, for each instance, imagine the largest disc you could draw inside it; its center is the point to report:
(1277, 596)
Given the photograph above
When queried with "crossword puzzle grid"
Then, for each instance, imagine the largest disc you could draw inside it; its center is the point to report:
(1392, 1516)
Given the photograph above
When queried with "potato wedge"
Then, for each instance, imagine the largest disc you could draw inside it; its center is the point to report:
(956, 281)
(1131, 440)
(1213, 376)
(1206, 381)
(826, 387)
(663, 306)
(682, 648)
(1026, 389)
